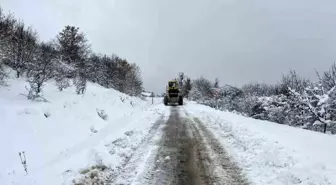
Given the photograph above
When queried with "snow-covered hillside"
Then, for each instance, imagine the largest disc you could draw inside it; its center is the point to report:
(65, 133)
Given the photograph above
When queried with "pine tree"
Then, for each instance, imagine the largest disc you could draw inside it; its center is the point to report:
(74, 51)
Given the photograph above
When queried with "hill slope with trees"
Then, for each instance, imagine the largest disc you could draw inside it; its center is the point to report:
(67, 57)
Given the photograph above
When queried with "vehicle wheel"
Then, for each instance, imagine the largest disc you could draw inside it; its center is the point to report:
(180, 102)
(165, 100)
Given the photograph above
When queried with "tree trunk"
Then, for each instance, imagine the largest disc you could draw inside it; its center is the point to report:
(38, 88)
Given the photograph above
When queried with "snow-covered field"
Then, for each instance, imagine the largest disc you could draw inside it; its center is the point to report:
(65, 134)
(271, 153)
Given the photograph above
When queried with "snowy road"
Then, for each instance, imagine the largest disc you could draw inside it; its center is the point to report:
(147, 144)
(185, 153)
(143, 143)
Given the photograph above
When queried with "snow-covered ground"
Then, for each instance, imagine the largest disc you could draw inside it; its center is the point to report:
(65, 134)
(64, 138)
(271, 153)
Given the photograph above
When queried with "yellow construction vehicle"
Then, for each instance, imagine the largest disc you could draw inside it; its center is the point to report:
(173, 93)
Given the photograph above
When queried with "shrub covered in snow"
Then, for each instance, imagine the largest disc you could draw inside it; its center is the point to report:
(201, 90)
(95, 175)
(102, 114)
(294, 101)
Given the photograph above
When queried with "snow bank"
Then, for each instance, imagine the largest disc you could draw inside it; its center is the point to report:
(271, 153)
(64, 133)
(146, 94)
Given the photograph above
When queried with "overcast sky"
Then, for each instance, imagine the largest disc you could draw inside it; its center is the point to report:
(237, 41)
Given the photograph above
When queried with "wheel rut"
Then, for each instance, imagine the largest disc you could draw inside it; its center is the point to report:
(190, 155)
(177, 161)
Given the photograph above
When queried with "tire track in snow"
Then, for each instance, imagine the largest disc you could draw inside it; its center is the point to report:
(126, 172)
(190, 155)
(162, 165)
(186, 154)
(156, 161)
(223, 169)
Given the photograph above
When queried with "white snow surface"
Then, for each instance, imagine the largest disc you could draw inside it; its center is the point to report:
(73, 137)
(270, 153)
(146, 94)
(65, 135)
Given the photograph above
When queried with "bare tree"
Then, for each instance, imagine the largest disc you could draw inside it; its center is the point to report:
(7, 23)
(115, 72)
(181, 77)
(62, 81)
(216, 84)
(21, 47)
(328, 79)
(319, 103)
(259, 89)
(133, 84)
(293, 81)
(42, 69)
(3, 74)
(186, 87)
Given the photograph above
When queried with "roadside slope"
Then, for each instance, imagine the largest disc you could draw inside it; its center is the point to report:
(270, 153)
(65, 133)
